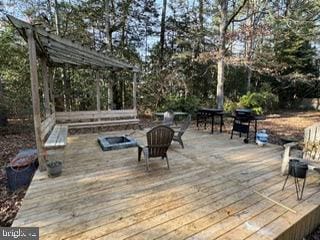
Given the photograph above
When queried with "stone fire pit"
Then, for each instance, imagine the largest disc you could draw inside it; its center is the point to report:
(114, 143)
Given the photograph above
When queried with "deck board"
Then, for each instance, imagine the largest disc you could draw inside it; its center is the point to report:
(209, 193)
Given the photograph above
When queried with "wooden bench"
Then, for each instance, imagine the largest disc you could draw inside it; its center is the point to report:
(120, 122)
(91, 119)
(58, 137)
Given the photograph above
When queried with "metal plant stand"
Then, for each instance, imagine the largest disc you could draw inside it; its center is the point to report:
(298, 170)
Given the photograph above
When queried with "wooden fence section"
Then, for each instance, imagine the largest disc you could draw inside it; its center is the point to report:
(216, 188)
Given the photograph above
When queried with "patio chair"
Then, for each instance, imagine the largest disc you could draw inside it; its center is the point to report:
(159, 139)
(179, 132)
(168, 118)
(310, 153)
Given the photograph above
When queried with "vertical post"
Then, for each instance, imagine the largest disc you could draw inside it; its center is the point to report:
(110, 95)
(35, 96)
(98, 93)
(44, 70)
(134, 91)
(51, 90)
(123, 95)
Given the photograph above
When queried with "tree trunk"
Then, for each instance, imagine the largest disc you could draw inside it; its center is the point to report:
(65, 79)
(125, 12)
(224, 23)
(248, 48)
(50, 13)
(162, 30)
(110, 94)
(123, 93)
(67, 89)
(249, 77)
(221, 53)
(249, 58)
(200, 42)
(1, 89)
(108, 37)
(250, 41)
(57, 17)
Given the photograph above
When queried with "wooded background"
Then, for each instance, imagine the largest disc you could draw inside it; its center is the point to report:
(216, 53)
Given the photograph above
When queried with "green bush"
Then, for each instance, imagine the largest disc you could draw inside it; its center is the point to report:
(188, 104)
(230, 106)
(259, 102)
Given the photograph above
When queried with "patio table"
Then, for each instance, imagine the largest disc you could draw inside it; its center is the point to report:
(204, 113)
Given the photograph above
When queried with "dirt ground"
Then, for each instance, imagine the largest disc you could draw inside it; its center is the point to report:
(16, 137)
(13, 138)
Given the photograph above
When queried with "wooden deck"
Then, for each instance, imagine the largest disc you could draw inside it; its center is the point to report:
(217, 188)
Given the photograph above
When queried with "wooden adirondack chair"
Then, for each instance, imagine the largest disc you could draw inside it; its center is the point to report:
(311, 150)
(158, 141)
(178, 133)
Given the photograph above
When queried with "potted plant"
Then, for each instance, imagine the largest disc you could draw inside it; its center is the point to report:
(54, 168)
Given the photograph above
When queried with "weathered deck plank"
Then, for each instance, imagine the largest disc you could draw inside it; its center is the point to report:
(208, 193)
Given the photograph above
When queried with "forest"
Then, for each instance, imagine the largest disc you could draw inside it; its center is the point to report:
(217, 53)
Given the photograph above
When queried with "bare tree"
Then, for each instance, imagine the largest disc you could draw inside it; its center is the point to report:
(1, 89)
(162, 29)
(223, 27)
(255, 12)
(57, 16)
(108, 37)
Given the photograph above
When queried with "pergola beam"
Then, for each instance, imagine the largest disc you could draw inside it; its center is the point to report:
(63, 51)
(61, 45)
(64, 58)
(73, 47)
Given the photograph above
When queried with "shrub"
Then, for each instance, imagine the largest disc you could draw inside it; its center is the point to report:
(259, 102)
(230, 106)
(188, 104)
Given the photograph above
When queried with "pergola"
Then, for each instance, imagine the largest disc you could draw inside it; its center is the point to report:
(54, 51)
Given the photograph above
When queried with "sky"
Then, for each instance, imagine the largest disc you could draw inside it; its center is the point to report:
(9, 7)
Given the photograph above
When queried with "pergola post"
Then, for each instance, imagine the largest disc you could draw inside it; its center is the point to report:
(51, 90)
(44, 70)
(134, 90)
(110, 94)
(35, 96)
(98, 92)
